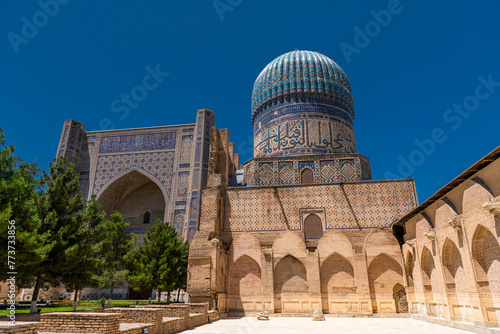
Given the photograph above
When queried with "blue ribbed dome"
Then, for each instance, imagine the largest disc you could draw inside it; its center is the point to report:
(301, 76)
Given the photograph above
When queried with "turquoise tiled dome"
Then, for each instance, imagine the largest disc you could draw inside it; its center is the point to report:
(303, 76)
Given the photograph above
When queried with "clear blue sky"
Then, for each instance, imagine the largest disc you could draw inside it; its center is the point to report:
(415, 66)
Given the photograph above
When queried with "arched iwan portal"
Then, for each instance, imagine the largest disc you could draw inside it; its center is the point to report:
(138, 198)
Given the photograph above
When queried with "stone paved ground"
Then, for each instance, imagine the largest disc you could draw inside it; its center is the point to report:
(250, 325)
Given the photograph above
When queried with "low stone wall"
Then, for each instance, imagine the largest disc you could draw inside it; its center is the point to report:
(76, 322)
(140, 315)
(158, 319)
(19, 328)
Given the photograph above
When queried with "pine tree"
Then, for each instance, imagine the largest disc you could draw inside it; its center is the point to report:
(62, 213)
(85, 251)
(20, 191)
(114, 252)
(161, 262)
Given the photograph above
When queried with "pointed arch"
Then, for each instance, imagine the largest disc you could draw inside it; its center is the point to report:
(131, 170)
(306, 176)
(289, 243)
(476, 193)
(290, 284)
(135, 193)
(486, 259)
(383, 269)
(245, 244)
(428, 269)
(245, 284)
(454, 273)
(313, 227)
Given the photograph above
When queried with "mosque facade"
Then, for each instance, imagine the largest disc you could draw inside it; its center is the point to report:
(301, 226)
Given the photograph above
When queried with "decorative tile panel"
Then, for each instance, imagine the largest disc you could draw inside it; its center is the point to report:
(139, 142)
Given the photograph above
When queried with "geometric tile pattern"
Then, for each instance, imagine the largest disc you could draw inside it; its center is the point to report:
(347, 171)
(182, 184)
(375, 204)
(187, 142)
(302, 72)
(179, 221)
(160, 165)
(286, 174)
(327, 172)
(326, 169)
(266, 174)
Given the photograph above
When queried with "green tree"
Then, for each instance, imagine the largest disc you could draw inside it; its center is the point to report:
(114, 252)
(85, 250)
(161, 262)
(20, 191)
(62, 211)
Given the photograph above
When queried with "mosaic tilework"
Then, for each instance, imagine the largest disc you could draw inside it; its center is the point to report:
(303, 73)
(140, 142)
(266, 174)
(328, 173)
(186, 144)
(160, 165)
(326, 169)
(182, 184)
(304, 135)
(179, 221)
(348, 171)
(253, 210)
(376, 204)
(286, 174)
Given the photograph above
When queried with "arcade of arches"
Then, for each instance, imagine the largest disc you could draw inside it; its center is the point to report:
(441, 259)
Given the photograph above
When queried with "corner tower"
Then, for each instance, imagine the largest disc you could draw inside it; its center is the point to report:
(301, 105)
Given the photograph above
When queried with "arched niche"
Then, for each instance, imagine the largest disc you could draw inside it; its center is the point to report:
(337, 281)
(429, 271)
(313, 227)
(245, 284)
(486, 259)
(245, 244)
(290, 284)
(454, 272)
(306, 176)
(133, 194)
(289, 243)
(383, 272)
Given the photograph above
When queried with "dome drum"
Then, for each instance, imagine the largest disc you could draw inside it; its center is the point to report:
(302, 104)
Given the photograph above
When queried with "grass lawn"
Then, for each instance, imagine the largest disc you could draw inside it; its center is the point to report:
(65, 306)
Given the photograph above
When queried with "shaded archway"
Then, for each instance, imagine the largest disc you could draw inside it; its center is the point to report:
(337, 284)
(313, 228)
(290, 284)
(454, 273)
(383, 272)
(138, 198)
(428, 269)
(486, 257)
(400, 298)
(245, 284)
(306, 176)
